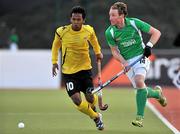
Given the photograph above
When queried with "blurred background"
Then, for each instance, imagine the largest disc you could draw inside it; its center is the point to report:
(35, 21)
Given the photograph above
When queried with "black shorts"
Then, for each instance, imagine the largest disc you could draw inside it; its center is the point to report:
(77, 82)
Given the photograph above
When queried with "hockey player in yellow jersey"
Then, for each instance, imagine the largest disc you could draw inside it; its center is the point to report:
(73, 40)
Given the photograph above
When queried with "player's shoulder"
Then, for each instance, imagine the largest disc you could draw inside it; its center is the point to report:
(88, 28)
(109, 29)
(62, 29)
(132, 18)
(136, 20)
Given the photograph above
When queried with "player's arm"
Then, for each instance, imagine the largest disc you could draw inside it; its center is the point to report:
(55, 52)
(114, 48)
(154, 33)
(116, 54)
(96, 47)
(145, 27)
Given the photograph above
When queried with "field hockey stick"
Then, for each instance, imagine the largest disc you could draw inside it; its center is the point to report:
(100, 100)
(115, 77)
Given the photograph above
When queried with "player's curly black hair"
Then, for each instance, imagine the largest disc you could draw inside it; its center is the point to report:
(79, 9)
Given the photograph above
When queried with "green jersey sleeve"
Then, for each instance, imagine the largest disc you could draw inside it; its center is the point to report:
(143, 26)
(109, 34)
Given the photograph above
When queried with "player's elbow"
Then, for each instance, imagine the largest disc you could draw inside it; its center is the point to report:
(155, 32)
(158, 33)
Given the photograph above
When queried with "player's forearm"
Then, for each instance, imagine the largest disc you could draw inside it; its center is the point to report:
(119, 58)
(116, 54)
(155, 35)
(95, 44)
(97, 49)
(55, 53)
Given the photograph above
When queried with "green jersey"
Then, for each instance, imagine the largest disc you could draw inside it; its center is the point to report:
(128, 39)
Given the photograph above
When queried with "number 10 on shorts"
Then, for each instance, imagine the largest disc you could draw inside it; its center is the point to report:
(69, 86)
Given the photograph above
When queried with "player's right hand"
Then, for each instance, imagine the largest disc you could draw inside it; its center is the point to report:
(126, 67)
(99, 57)
(54, 69)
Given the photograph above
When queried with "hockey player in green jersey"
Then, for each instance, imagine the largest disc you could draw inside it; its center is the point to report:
(126, 44)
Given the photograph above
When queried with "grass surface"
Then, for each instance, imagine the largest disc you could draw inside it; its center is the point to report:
(52, 112)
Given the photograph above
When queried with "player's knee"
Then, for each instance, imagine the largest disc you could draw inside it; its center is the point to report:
(139, 83)
(76, 100)
(89, 96)
(90, 99)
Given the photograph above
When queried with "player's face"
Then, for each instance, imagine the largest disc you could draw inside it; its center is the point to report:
(77, 21)
(114, 16)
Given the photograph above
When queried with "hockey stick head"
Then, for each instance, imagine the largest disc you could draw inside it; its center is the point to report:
(103, 107)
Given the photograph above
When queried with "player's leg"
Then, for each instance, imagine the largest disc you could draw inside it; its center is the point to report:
(83, 106)
(157, 91)
(87, 85)
(73, 84)
(157, 94)
(91, 99)
(137, 77)
(153, 93)
(141, 97)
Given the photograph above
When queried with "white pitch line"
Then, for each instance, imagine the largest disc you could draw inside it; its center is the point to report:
(162, 118)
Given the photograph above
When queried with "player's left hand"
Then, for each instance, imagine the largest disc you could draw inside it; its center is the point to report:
(147, 51)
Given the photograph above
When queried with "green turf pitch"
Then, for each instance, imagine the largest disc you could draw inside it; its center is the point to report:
(52, 112)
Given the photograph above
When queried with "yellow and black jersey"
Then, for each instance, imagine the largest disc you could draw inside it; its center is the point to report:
(75, 48)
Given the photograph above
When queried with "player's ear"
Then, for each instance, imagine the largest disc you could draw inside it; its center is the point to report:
(71, 19)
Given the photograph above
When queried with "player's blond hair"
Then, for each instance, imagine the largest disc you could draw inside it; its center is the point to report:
(121, 7)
